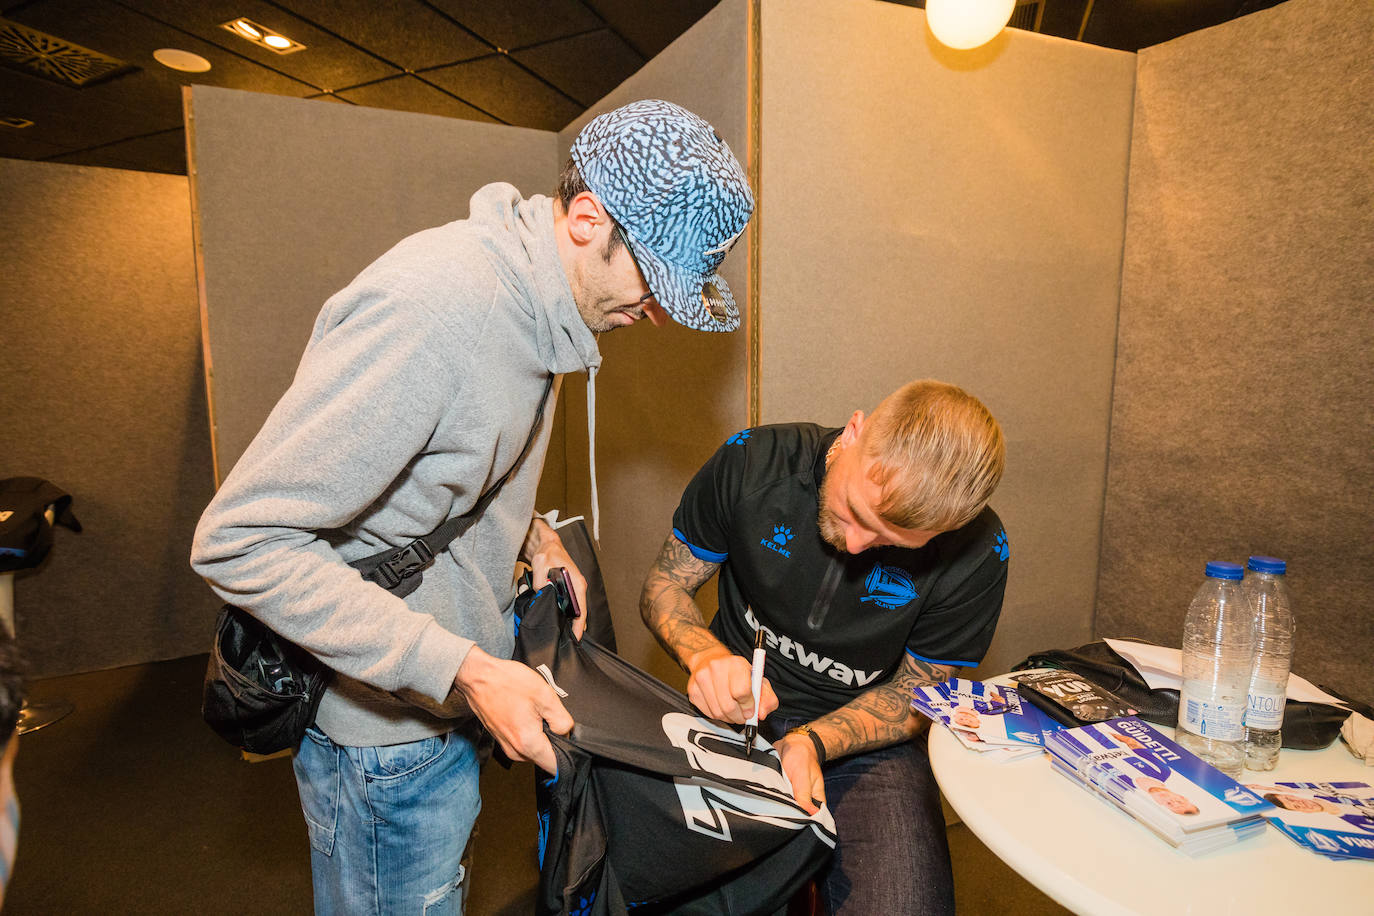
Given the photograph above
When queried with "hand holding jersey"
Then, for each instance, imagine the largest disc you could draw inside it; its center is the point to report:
(543, 550)
(513, 703)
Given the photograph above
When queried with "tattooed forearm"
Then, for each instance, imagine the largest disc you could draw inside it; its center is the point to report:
(666, 602)
(882, 715)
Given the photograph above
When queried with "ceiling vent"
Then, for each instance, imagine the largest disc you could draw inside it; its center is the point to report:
(52, 58)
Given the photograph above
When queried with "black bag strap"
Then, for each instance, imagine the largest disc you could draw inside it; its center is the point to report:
(397, 569)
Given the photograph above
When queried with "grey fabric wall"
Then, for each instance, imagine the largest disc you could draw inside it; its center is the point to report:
(955, 216)
(1243, 412)
(292, 198)
(100, 392)
(666, 397)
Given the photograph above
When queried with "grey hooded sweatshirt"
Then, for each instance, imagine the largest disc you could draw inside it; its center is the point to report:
(416, 392)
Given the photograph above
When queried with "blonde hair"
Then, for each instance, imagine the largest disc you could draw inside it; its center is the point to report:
(938, 454)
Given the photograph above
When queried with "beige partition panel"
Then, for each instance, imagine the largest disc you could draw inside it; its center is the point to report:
(666, 397)
(1243, 418)
(101, 393)
(956, 216)
(293, 198)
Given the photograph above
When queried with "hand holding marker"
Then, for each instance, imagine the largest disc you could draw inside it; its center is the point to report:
(751, 725)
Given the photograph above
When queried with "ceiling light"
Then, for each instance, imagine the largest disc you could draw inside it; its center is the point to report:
(16, 123)
(260, 35)
(965, 24)
(184, 61)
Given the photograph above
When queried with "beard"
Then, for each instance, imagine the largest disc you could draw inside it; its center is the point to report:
(830, 527)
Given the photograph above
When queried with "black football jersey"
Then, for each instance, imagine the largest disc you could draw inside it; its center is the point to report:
(835, 624)
(654, 808)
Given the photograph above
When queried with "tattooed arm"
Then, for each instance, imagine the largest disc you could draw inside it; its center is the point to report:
(875, 718)
(717, 679)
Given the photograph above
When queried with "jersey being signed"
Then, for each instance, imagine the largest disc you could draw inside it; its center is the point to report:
(835, 624)
(656, 809)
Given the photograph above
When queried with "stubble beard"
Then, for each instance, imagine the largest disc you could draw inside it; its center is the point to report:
(831, 531)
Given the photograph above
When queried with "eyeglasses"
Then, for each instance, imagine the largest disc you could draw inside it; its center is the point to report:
(711, 299)
(625, 240)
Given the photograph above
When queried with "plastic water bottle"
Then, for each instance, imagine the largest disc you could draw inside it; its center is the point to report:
(1267, 593)
(1218, 647)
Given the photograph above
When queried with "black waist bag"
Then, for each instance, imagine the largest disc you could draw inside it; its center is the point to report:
(1306, 726)
(261, 690)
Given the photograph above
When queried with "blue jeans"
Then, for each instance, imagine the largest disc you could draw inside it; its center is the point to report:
(892, 855)
(388, 825)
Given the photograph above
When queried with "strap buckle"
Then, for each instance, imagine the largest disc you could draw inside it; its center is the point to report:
(402, 564)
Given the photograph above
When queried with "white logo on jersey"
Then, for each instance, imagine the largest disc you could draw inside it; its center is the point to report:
(706, 799)
(793, 649)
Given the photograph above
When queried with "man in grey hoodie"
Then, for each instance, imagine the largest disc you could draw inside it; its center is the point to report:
(416, 393)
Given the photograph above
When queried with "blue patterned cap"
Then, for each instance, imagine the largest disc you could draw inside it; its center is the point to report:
(673, 185)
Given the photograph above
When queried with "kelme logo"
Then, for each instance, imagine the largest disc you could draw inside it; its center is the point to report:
(779, 539)
(738, 438)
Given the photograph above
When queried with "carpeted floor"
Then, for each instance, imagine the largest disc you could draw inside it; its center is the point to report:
(132, 805)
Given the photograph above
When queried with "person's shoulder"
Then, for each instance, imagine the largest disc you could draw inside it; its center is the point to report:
(982, 539)
(774, 450)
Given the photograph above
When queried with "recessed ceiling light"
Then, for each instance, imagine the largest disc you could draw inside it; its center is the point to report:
(16, 123)
(184, 61)
(259, 34)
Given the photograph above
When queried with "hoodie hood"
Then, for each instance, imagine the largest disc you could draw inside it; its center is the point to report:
(527, 255)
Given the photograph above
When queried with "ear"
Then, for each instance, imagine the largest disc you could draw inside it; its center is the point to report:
(587, 219)
(852, 429)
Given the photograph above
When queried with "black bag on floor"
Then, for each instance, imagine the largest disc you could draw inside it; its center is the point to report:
(1306, 726)
(655, 809)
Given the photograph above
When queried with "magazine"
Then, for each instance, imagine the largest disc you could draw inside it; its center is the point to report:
(985, 718)
(1184, 800)
(990, 714)
(1335, 819)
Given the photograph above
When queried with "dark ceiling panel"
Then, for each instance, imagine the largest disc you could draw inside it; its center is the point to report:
(649, 34)
(565, 64)
(162, 152)
(406, 93)
(498, 86)
(23, 143)
(326, 62)
(1134, 24)
(406, 33)
(517, 23)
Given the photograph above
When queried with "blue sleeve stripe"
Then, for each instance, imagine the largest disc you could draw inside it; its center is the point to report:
(701, 553)
(940, 661)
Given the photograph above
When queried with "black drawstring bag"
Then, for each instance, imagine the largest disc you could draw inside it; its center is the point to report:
(1306, 726)
(261, 690)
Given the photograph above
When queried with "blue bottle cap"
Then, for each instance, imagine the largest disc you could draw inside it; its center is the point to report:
(1218, 569)
(1272, 565)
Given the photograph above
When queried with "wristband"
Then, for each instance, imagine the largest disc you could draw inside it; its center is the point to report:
(815, 739)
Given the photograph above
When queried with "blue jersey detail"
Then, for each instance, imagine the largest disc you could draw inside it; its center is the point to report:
(1003, 547)
(701, 553)
(941, 661)
(738, 438)
(889, 587)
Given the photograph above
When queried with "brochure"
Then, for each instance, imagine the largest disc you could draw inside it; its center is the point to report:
(1335, 819)
(1183, 799)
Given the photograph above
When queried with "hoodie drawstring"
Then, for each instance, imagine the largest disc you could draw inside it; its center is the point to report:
(591, 451)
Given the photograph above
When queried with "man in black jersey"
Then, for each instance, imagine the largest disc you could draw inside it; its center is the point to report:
(869, 559)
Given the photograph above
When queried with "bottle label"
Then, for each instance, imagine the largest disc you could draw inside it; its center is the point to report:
(1211, 719)
(1265, 710)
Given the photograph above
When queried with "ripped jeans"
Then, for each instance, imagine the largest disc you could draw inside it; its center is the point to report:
(388, 825)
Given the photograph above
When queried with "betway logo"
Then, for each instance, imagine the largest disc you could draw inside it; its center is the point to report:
(790, 648)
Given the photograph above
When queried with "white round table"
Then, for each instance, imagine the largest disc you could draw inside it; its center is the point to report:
(1095, 860)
